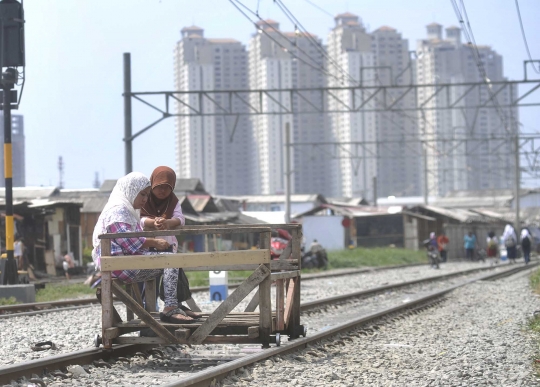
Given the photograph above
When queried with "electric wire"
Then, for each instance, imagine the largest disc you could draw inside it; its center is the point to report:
(525, 37)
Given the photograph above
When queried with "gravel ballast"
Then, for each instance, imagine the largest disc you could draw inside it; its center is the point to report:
(74, 330)
(477, 337)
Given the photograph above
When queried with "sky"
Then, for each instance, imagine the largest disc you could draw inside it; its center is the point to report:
(72, 101)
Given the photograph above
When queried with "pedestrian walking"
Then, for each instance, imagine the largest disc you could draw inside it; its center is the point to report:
(470, 245)
(526, 245)
(442, 243)
(510, 241)
(492, 247)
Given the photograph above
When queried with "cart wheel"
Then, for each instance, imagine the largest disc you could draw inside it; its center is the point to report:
(304, 331)
(97, 341)
(278, 339)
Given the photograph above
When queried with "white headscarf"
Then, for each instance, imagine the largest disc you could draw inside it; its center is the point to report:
(119, 208)
(525, 234)
(509, 232)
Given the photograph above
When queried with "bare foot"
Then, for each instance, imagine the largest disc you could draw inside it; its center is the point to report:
(177, 316)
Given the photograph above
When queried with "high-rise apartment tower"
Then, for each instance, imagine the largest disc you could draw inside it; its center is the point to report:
(212, 148)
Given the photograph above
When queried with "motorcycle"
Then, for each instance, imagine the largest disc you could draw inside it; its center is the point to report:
(432, 254)
(315, 260)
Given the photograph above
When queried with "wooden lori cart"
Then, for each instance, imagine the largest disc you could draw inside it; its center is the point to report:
(222, 325)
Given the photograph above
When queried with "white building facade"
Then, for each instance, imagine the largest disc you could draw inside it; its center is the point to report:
(212, 148)
(452, 163)
(351, 61)
(285, 60)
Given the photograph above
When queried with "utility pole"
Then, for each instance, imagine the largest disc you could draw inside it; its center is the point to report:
(11, 57)
(375, 191)
(128, 141)
(60, 172)
(426, 193)
(517, 182)
(288, 173)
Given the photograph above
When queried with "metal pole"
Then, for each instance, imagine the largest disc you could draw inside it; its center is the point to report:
(127, 113)
(287, 173)
(517, 183)
(11, 276)
(426, 193)
(375, 191)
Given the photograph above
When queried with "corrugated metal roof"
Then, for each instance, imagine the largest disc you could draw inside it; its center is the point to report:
(30, 192)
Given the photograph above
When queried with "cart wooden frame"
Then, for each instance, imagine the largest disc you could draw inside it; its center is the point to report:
(222, 325)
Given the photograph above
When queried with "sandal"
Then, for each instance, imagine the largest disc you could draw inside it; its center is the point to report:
(189, 312)
(168, 317)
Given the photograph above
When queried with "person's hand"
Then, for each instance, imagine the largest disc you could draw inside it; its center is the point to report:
(161, 244)
(161, 223)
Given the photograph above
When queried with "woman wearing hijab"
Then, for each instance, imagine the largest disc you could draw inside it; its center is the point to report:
(162, 211)
(121, 215)
(526, 245)
(510, 241)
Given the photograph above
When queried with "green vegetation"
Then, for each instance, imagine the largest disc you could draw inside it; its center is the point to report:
(87, 255)
(353, 258)
(53, 292)
(534, 322)
(8, 301)
(378, 256)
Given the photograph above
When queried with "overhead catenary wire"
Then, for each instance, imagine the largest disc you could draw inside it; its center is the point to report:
(463, 19)
(525, 37)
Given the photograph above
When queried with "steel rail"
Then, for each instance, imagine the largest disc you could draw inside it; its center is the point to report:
(87, 356)
(56, 306)
(208, 376)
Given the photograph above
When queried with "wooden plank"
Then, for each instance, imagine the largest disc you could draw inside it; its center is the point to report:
(191, 230)
(229, 304)
(289, 302)
(253, 303)
(150, 295)
(136, 291)
(297, 246)
(287, 252)
(285, 275)
(223, 258)
(280, 308)
(193, 305)
(140, 340)
(274, 264)
(265, 302)
(295, 309)
(116, 316)
(182, 334)
(253, 332)
(129, 312)
(107, 314)
(111, 333)
(143, 314)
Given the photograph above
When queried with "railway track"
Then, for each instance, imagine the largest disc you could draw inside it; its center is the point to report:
(98, 357)
(30, 309)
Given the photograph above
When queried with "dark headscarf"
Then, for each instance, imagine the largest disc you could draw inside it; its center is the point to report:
(155, 207)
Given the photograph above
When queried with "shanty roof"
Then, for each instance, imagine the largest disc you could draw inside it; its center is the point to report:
(108, 185)
(476, 199)
(20, 193)
(459, 214)
(296, 198)
(358, 201)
